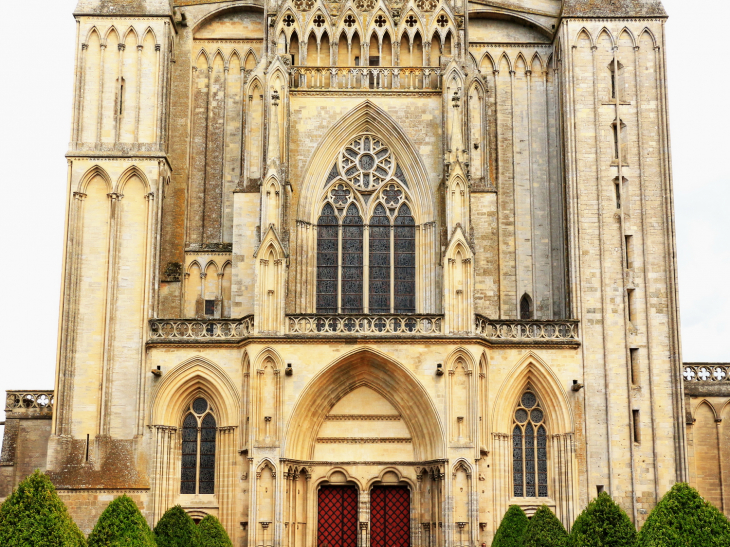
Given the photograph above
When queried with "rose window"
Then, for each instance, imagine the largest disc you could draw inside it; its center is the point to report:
(366, 163)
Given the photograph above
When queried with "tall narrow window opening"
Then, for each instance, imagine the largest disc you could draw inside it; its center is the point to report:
(379, 261)
(635, 372)
(636, 417)
(630, 304)
(529, 449)
(526, 307)
(197, 474)
(629, 250)
(618, 194)
(327, 260)
(352, 261)
(405, 261)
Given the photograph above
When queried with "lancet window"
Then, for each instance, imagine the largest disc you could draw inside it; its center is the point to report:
(529, 449)
(198, 449)
(366, 234)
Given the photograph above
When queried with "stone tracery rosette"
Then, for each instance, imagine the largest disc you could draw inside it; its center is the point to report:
(367, 163)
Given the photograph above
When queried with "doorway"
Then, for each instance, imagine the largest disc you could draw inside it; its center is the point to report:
(337, 516)
(390, 516)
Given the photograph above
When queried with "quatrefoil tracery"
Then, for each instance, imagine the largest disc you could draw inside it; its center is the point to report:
(426, 5)
(288, 20)
(304, 5)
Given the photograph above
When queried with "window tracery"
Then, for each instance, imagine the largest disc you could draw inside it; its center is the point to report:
(366, 226)
(529, 448)
(197, 474)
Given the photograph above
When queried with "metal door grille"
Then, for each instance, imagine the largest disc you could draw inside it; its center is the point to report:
(337, 517)
(390, 517)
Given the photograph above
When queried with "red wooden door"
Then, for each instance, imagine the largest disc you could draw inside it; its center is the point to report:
(337, 517)
(390, 516)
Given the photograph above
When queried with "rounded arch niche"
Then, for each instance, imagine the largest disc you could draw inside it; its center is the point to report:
(375, 372)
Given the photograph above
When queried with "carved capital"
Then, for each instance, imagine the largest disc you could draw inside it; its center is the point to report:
(115, 196)
(121, 47)
(79, 196)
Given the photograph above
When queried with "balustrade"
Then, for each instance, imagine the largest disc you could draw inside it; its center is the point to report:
(707, 372)
(563, 331)
(200, 329)
(30, 402)
(366, 77)
(366, 324)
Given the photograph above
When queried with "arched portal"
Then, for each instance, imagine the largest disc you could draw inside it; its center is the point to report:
(403, 412)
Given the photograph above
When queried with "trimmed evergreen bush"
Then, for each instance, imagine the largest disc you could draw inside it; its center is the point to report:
(212, 533)
(684, 519)
(121, 525)
(176, 529)
(34, 515)
(512, 528)
(602, 524)
(545, 530)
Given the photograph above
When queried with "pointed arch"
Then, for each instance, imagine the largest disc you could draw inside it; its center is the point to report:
(132, 30)
(384, 375)
(505, 60)
(95, 171)
(626, 31)
(607, 33)
(149, 30)
(202, 54)
(366, 117)
(583, 34)
(132, 171)
(647, 31)
(196, 374)
(532, 370)
(487, 62)
(112, 30)
(536, 63)
(697, 407)
(94, 30)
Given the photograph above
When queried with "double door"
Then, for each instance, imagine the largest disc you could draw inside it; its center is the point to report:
(390, 508)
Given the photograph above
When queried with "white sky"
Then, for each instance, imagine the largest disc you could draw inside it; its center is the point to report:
(35, 114)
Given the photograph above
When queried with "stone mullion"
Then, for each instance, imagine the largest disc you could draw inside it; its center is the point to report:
(79, 67)
(117, 114)
(138, 92)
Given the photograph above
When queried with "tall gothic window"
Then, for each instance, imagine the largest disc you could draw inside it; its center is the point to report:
(198, 449)
(366, 183)
(529, 449)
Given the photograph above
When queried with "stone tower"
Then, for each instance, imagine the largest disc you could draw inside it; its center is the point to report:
(364, 272)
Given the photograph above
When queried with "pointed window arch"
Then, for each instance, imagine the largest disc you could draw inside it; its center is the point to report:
(199, 429)
(529, 448)
(526, 307)
(366, 171)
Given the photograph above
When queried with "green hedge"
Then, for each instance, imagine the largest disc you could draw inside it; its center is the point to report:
(177, 529)
(212, 533)
(512, 528)
(602, 524)
(545, 530)
(34, 515)
(684, 519)
(121, 525)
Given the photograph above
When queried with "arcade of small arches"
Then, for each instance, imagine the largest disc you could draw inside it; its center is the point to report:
(317, 39)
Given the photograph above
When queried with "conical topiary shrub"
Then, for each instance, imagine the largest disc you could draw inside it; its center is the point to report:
(176, 529)
(212, 533)
(684, 519)
(512, 528)
(34, 515)
(545, 530)
(121, 525)
(602, 524)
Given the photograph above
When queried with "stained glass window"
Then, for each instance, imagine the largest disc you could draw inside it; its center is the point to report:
(529, 449)
(352, 260)
(366, 176)
(189, 455)
(198, 449)
(379, 261)
(327, 251)
(405, 261)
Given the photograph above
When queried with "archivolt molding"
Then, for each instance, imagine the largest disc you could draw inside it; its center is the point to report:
(365, 118)
(215, 12)
(132, 171)
(715, 413)
(371, 368)
(196, 374)
(463, 354)
(268, 353)
(532, 370)
(348, 478)
(92, 172)
(397, 472)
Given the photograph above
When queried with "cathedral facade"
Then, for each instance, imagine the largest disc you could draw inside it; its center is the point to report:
(364, 273)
